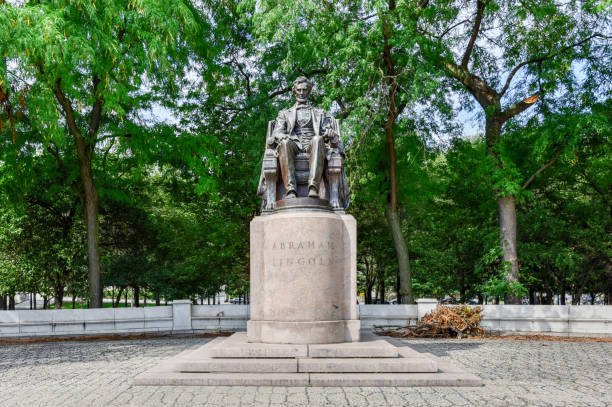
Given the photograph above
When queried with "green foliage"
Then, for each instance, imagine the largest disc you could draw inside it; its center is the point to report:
(187, 90)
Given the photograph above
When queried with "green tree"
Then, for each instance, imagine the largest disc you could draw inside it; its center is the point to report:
(82, 70)
(507, 56)
(367, 73)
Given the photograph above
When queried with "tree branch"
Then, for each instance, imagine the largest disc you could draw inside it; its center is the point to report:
(480, 6)
(62, 168)
(96, 111)
(67, 108)
(543, 58)
(519, 107)
(484, 94)
(545, 166)
(449, 29)
(246, 77)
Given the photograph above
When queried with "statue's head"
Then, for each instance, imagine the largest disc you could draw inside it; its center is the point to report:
(301, 88)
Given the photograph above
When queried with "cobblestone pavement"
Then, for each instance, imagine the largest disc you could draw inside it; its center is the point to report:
(99, 373)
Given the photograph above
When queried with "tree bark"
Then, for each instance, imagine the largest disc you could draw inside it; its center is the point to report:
(507, 229)
(405, 295)
(85, 152)
(2, 302)
(91, 222)
(405, 291)
(116, 305)
(136, 300)
(59, 296)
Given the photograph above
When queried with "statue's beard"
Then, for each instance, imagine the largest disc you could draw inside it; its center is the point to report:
(302, 100)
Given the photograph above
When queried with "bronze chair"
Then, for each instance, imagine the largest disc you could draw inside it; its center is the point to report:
(272, 188)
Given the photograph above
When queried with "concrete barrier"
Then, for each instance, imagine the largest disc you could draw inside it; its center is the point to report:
(387, 314)
(184, 317)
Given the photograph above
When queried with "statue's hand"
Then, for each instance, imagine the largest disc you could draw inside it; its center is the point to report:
(281, 136)
(331, 136)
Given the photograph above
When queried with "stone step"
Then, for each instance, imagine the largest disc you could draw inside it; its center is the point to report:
(393, 379)
(236, 346)
(367, 365)
(442, 378)
(308, 365)
(373, 349)
(234, 365)
(221, 379)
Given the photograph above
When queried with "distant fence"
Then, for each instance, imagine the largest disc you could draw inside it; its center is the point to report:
(183, 317)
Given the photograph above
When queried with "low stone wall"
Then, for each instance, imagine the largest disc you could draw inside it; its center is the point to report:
(565, 320)
(387, 314)
(184, 317)
(224, 317)
(85, 321)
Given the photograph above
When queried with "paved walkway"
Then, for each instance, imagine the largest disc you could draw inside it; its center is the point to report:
(98, 373)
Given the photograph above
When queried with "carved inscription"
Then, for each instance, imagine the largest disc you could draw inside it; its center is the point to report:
(303, 253)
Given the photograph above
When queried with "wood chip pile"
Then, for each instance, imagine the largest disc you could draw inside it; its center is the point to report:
(445, 322)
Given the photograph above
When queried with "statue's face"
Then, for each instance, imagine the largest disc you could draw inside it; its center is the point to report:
(301, 92)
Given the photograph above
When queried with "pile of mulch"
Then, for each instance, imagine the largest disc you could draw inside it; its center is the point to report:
(463, 321)
(112, 337)
(445, 322)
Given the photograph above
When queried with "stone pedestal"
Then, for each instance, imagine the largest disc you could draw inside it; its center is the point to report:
(303, 278)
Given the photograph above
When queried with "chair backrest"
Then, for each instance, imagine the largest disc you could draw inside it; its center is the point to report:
(271, 124)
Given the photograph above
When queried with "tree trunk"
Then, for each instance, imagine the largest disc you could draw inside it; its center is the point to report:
(157, 300)
(59, 296)
(507, 228)
(382, 289)
(116, 304)
(462, 288)
(531, 296)
(368, 292)
(2, 302)
(45, 302)
(85, 151)
(405, 295)
(91, 223)
(405, 291)
(136, 299)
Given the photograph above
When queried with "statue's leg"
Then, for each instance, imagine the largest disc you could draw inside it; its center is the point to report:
(287, 150)
(317, 162)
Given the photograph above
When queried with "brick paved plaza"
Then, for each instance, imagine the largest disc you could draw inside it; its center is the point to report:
(99, 373)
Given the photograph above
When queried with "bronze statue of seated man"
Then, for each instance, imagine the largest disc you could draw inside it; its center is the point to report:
(302, 128)
(302, 133)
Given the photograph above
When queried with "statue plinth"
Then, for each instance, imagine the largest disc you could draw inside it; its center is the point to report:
(303, 277)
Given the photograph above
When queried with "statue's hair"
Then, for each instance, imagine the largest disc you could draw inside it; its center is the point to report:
(302, 79)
